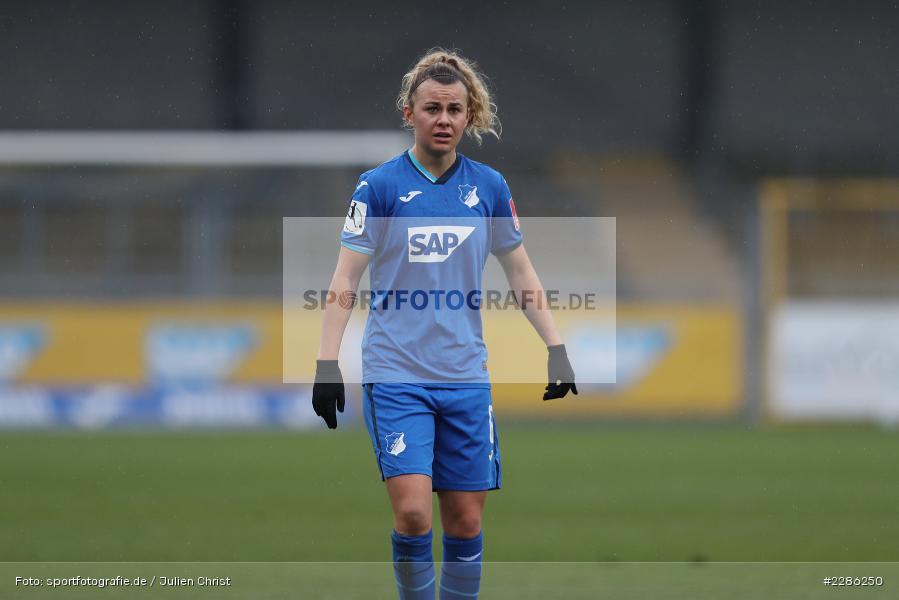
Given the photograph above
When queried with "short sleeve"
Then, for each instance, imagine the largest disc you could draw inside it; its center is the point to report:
(360, 229)
(506, 228)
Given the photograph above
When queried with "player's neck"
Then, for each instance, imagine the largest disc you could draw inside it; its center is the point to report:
(436, 165)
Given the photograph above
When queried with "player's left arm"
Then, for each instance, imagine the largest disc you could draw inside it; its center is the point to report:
(525, 284)
(529, 292)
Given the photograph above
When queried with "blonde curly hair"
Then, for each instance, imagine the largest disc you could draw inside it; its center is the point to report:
(448, 66)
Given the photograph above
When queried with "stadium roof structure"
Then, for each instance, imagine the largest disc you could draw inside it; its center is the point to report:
(202, 148)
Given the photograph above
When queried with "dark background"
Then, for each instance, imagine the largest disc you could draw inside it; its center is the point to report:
(746, 86)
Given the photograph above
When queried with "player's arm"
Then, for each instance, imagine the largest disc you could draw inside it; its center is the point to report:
(344, 285)
(327, 391)
(525, 284)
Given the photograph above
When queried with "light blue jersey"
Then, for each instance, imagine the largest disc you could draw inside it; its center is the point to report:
(429, 240)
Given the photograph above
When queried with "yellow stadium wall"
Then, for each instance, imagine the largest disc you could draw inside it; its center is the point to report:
(93, 343)
(699, 375)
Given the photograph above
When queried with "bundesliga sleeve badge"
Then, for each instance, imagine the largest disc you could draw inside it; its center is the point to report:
(355, 218)
(514, 215)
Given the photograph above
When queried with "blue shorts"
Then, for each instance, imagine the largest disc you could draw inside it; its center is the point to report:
(448, 434)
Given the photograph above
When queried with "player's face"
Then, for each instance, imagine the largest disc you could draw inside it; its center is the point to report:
(439, 115)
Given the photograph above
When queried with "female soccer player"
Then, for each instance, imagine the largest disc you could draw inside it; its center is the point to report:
(424, 222)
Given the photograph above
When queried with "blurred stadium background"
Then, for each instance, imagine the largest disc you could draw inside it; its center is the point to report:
(749, 152)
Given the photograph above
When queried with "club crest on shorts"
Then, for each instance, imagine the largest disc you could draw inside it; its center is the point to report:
(468, 194)
(395, 443)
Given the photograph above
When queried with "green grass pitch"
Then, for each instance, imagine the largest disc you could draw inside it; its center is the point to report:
(587, 493)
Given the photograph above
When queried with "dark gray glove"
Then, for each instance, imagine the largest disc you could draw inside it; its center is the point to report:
(561, 375)
(327, 391)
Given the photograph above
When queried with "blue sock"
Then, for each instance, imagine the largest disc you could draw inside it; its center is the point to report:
(413, 566)
(460, 578)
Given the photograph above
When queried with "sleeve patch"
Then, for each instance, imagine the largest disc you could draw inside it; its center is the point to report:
(355, 218)
(514, 215)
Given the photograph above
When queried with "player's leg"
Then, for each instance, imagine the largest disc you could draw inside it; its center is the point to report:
(461, 512)
(410, 498)
(401, 425)
(466, 465)
(463, 543)
(413, 559)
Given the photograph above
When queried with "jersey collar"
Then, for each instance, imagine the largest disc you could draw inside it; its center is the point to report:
(427, 175)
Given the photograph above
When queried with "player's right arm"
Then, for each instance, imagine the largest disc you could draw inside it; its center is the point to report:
(341, 294)
(358, 242)
(327, 391)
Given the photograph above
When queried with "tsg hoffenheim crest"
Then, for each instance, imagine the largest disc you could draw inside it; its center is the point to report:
(468, 194)
(395, 443)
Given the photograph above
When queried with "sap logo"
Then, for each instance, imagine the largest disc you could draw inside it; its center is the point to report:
(213, 407)
(27, 407)
(619, 357)
(395, 443)
(19, 345)
(100, 406)
(196, 353)
(435, 243)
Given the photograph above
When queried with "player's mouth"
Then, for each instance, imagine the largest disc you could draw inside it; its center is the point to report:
(443, 137)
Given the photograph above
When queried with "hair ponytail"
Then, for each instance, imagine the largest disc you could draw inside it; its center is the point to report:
(447, 66)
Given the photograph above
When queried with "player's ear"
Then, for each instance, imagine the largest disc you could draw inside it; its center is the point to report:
(407, 114)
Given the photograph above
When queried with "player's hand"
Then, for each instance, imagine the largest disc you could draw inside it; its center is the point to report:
(327, 392)
(561, 375)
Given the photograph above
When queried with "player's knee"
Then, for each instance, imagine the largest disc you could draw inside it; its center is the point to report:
(412, 521)
(463, 526)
